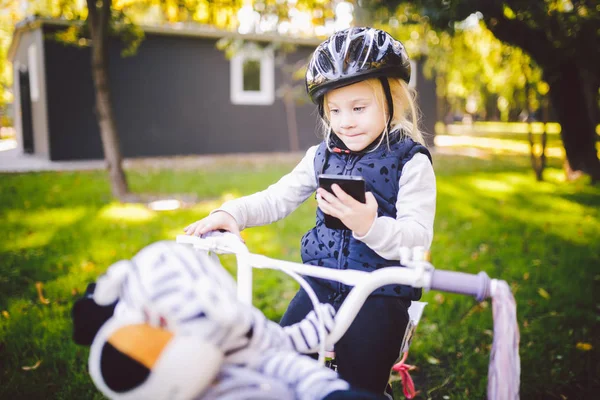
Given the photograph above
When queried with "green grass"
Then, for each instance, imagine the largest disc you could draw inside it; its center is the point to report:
(63, 229)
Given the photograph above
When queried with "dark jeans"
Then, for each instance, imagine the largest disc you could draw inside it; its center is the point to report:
(370, 347)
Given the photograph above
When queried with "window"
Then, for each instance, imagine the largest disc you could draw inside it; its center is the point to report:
(252, 77)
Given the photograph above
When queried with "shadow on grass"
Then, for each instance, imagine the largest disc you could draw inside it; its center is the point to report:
(544, 242)
(543, 238)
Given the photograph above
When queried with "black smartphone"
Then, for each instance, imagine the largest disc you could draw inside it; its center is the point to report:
(353, 185)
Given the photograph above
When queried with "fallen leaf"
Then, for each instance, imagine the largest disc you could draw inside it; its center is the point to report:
(584, 346)
(526, 276)
(39, 286)
(439, 298)
(33, 367)
(542, 292)
(88, 266)
(74, 292)
(433, 360)
(5, 314)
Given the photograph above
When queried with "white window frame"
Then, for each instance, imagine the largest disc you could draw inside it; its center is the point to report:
(413, 74)
(266, 94)
(32, 64)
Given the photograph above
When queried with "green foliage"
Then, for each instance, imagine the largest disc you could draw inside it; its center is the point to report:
(551, 32)
(8, 17)
(62, 229)
(469, 64)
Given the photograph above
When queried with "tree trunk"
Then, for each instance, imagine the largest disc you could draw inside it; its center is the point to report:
(98, 18)
(578, 128)
(290, 113)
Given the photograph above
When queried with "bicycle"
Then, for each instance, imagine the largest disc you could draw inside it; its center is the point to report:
(504, 369)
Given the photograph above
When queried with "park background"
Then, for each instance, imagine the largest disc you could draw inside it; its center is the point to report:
(515, 153)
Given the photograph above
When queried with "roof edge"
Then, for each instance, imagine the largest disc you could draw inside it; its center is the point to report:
(180, 29)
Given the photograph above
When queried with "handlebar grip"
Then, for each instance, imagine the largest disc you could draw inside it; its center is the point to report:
(462, 283)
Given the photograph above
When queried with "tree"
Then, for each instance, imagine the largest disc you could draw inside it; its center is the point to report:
(563, 39)
(470, 66)
(95, 23)
(8, 17)
(98, 24)
(98, 19)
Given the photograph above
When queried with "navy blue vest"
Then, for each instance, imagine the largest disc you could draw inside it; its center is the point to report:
(332, 248)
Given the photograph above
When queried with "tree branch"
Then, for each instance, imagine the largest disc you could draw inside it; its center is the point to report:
(519, 34)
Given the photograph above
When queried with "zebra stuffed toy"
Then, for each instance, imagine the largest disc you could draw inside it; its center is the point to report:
(167, 325)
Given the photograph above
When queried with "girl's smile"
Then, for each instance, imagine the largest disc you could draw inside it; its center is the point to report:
(355, 115)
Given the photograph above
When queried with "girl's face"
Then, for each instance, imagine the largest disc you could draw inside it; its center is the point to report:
(355, 115)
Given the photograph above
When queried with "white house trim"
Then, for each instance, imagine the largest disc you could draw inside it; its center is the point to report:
(266, 94)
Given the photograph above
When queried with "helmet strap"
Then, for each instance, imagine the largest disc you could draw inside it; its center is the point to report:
(390, 101)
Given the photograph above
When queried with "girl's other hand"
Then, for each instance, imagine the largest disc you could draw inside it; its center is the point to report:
(215, 221)
(357, 216)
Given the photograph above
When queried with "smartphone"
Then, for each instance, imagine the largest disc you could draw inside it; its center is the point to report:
(353, 185)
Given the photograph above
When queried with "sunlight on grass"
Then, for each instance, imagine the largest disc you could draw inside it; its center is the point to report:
(492, 185)
(164, 205)
(482, 127)
(555, 175)
(229, 196)
(474, 202)
(45, 217)
(492, 215)
(34, 239)
(496, 146)
(40, 225)
(126, 212)
(205, 207)
(262, 240)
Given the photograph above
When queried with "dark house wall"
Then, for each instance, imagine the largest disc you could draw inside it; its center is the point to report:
(171, 98)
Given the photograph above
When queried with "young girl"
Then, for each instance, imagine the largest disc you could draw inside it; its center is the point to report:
(358, 79)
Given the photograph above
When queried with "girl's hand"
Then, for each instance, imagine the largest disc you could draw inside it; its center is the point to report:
(215, 221)
(355, 215)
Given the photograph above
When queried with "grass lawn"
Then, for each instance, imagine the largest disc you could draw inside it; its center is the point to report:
(63, 230)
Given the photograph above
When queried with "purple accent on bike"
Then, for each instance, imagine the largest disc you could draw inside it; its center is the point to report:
(462, 283)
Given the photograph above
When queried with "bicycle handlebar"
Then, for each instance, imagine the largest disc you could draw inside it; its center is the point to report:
(417, 274)
(480, 286)
(413, 273)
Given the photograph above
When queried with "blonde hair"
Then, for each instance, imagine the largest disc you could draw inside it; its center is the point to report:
(406, 113)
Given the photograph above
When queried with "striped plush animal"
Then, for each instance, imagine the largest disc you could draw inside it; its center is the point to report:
(167, 325)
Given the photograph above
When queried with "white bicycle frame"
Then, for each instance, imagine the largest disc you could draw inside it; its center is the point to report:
(504, 369)
(418, 274)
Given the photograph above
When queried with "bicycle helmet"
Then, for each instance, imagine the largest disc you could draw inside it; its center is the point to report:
(352, 55)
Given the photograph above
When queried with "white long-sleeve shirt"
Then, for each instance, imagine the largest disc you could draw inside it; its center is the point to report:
(415, 205)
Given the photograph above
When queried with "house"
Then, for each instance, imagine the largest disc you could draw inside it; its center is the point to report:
(177, 95)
